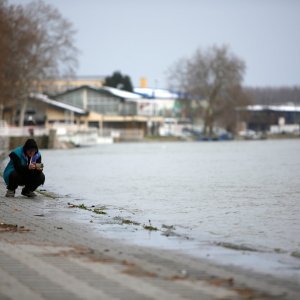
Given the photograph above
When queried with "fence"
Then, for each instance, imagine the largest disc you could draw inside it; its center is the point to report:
(23, 131)
(95, 136)
(11, 137)
(127, 135)
(86, 135)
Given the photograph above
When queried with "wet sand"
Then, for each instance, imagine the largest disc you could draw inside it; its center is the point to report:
(44, 254)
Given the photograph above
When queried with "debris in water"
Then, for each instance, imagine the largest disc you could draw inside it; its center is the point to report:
(150, 228)
(236, 247)
(168, 226)
(126, 221)
(82, 206)
(295, 254)
(169, 232)
(8, 227)
(72, 205)
(4, 227)
(99, 211)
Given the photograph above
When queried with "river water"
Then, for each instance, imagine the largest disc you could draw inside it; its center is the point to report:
(212, 199)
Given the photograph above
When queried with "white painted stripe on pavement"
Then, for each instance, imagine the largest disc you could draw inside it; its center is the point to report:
(204, 287)
(147, 289)
(57, 276)
(140, 286)
(15, 290)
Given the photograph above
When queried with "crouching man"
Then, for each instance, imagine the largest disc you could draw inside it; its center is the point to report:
(25, 168)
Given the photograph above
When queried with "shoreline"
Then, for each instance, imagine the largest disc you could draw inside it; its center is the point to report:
(47, 234)
(126, 229)
(173, 139)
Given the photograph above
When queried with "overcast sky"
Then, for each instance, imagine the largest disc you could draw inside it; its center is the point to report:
(145, 37)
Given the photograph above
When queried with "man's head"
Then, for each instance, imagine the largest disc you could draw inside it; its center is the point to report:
(30, 147)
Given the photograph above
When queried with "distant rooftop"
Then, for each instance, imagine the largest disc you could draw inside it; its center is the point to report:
(46, 99)
(90, 77)
(155, 93)
(121, 93)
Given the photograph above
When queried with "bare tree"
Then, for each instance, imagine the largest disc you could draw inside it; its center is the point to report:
(229, 114)
(39, 45)
(209, 78)
(6, 57)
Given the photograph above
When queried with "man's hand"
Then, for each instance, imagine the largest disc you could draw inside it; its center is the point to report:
(31, 167)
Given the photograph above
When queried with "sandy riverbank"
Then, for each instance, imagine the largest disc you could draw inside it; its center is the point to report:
(48, 256)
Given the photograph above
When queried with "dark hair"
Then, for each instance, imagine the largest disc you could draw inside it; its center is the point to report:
(30, 144)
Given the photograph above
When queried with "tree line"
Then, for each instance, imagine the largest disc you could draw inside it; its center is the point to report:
(36, 44)
(274, 95)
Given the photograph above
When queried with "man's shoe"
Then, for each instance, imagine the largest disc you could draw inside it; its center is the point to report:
(28, 193)
(10, 193)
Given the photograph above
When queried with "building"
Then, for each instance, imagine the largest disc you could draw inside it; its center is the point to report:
(52, 87)
(103, 108)
(87, 107)
(108, 107)
(45, 111)
(273, 118)
(157, 102)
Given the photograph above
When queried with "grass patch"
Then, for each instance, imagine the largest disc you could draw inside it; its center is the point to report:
(82, 206)
(126, 221)
(150, 228)
(99, 211)
(47, 194)
(295, 254)
(236, 247)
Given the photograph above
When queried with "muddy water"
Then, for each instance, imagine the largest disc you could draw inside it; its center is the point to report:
(234, 195)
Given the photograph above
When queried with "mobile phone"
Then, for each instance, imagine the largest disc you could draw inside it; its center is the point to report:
(39, 165)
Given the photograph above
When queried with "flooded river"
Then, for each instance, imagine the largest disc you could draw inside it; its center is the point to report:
(213, 199)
